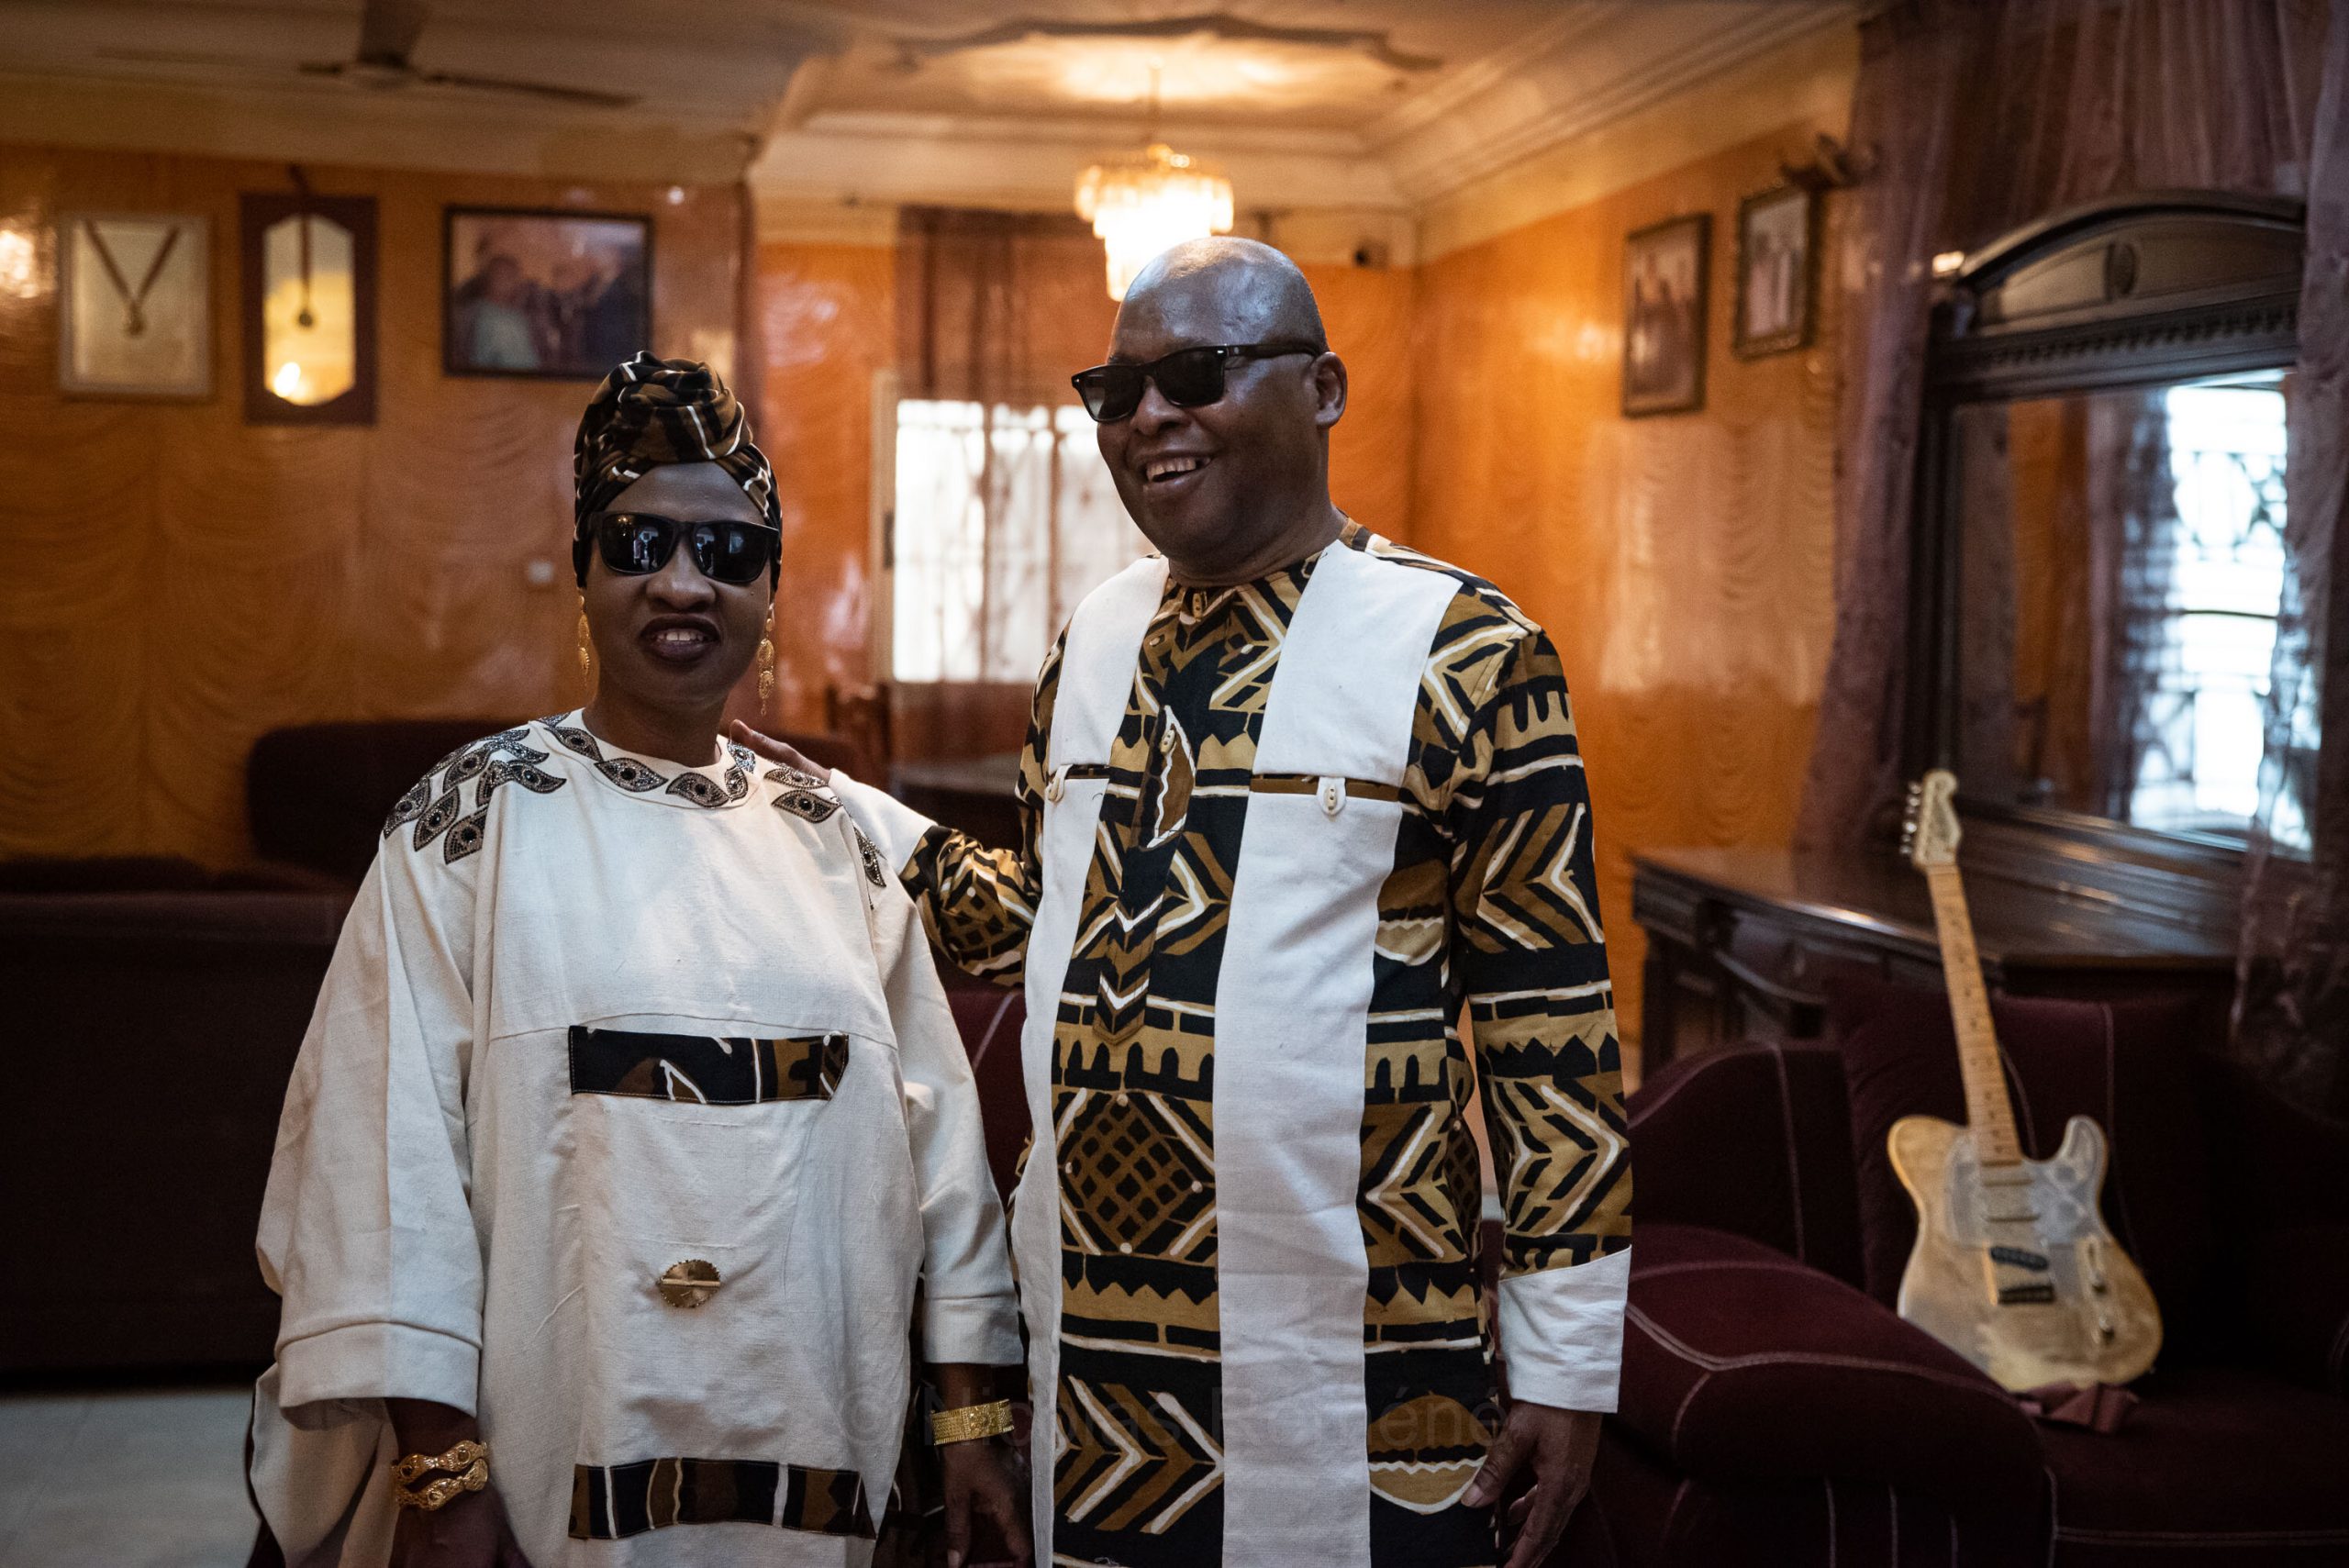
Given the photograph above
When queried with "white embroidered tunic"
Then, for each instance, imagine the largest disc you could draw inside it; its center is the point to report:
(596, 1020)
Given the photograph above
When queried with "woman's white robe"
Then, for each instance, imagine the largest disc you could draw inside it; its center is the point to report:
(488, 1157)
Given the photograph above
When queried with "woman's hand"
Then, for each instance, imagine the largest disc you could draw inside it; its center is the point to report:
(979, 1485)
(775, 751)
(467, 1532)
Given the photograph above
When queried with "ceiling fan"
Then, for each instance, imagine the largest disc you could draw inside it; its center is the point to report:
(387, 33)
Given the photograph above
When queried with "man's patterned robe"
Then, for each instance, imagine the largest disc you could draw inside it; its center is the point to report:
(1190, 1220)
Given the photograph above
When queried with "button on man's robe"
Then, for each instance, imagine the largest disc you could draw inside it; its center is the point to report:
(1278, 838)
(595, 1017)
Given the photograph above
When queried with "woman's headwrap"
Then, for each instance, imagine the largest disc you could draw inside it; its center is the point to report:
(652, 411)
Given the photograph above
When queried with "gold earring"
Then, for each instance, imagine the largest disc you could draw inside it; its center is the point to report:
(766, 662)
(586, 649)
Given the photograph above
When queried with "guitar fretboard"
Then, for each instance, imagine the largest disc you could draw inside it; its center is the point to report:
(1987, 1110)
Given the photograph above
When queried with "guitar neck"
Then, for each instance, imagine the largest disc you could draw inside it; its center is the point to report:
(1988, 1112)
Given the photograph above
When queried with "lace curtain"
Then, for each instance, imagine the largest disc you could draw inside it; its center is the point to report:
(1982, 115)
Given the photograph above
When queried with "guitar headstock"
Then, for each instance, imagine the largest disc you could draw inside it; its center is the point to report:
(1929, 834)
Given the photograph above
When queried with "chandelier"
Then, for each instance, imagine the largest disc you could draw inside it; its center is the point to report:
(1143, 202)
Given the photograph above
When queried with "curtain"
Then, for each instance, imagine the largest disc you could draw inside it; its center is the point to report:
(1004, 514)
(2292, 1000)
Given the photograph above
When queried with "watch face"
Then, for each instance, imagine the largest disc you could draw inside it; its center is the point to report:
(134, 297)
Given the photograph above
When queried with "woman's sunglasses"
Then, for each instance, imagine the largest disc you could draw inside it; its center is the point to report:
(634, 543)
(1188, 378)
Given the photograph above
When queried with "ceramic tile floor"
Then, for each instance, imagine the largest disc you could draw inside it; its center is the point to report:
(125, 1479)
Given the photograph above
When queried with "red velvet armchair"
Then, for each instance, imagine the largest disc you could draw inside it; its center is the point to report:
(1775, 1412)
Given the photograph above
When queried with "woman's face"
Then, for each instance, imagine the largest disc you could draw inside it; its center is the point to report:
(673, 639)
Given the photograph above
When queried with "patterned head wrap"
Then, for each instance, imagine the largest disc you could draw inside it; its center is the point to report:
(649, 412)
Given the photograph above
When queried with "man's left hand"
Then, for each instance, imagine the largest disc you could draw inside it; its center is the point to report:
(1560, 1446)
(979, 1487)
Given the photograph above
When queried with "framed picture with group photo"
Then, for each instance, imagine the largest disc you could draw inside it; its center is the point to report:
(1665, 300)
(1777, 241)
(552, 293)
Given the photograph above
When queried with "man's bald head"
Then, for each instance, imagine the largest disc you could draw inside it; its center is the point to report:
(1253, 286)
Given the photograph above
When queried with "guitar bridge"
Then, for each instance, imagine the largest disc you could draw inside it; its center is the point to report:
(2024, 1295)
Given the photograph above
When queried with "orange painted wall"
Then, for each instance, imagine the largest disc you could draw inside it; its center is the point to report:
(827, 326)
(180, 582)
(1683, 562)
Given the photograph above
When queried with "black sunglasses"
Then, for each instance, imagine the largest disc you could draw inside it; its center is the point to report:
(635, 543)
(1188, 378)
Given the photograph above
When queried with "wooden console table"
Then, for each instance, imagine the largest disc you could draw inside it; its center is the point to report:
(1740, 942)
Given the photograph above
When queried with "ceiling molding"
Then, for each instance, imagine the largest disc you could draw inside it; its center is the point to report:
(1798, 90)
(1032, 165)
(1581, 73)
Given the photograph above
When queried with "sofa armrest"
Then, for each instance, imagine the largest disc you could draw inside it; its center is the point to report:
(1756, 1140)
(1740, 1365)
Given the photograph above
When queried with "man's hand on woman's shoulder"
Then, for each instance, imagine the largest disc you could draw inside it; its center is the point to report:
(775, 751)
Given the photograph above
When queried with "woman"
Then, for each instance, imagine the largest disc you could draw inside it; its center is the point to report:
(630, 1112)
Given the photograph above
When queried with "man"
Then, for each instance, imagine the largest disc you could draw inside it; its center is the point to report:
(1292, 797)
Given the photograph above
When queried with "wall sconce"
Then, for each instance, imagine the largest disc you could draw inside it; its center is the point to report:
(310, 308)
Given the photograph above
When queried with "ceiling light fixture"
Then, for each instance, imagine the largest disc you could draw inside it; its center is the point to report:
(1141, 203)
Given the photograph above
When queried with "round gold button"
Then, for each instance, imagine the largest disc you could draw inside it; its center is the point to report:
(688, 1283)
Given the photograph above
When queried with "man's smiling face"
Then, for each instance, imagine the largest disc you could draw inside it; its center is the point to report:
(1203, 484)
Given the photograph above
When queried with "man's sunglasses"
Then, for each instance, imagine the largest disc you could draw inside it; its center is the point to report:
(1188, 378)
(635, 543)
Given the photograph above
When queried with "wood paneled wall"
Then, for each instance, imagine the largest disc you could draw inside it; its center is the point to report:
(179, 582)
(1683, 564)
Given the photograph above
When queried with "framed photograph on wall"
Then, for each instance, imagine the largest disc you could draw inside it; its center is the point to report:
(134, 293)
(552, 293)
(1777, 241)
(1665, 299)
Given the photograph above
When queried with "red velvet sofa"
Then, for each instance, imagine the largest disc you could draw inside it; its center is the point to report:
(1775, 1411)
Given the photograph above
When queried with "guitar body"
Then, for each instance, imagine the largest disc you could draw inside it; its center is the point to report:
(2014, 1268)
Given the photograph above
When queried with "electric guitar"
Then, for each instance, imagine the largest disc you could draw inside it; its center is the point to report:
(2014, 1268)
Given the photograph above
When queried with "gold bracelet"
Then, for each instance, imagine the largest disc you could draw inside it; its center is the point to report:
(960, 1426)
(433, 1495)
(464, 1455)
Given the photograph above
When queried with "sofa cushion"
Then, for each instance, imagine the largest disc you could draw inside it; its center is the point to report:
(2216, 1464)
(1740, 1365)
(2127, 1064)
(2296, 1303)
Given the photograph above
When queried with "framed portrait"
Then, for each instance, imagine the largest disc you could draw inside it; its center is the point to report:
(134, 314)
(557, 295)
(1777, 239)
(310, 308)
(1665, 299)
